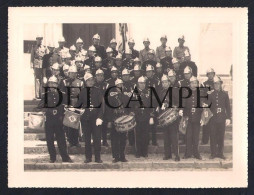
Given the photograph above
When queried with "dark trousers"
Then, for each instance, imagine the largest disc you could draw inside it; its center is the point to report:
(171, 139)
(142, 137)
(73, 135)
(104, 131)
(118, 143)
(153, 132)
(192, 139)
(217, 138)
(90, 129)
(38, 82)
(55, 128)
(131, 138)
(206, 133)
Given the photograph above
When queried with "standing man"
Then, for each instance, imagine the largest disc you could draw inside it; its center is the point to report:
(118, 139)
(179, 51)
(91, 120)
(194, 116)
(167, 61)
(100, 49)
(144, 117)
(113, 45)
(80, 52)
(103, 86)
(220, 107)
(37, 53)
(72, 88)
(209, 83)
(128, 61)
(143, 55)
(54, 121)
(134, 52)
(161, 50)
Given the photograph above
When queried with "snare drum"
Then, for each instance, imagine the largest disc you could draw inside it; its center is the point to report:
(125, 123)
(167, 117)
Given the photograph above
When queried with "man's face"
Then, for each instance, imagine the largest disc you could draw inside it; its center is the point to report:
(118, 62)
(90, 53)
(96, 41)
(181, 42)
(39, 41)
(109, 54)
(99, 77)
(79, 45)
(217, 86)
(131, 45)
(73, 75)
(193, 85)
(126, 77)
(90, 82)
(142, 85)
(187, 76)
(97, 64)
(61, 44)
(113, 45)
(149, 74)
(159, 69)
(210, 75)
(51, 49)
(168, 53)
(165, 84)
(55, 72)
(163, 41)
(66, 73)
(150, 56)
(114, 74)
(137, 73)
(172, 79)
(146, 44)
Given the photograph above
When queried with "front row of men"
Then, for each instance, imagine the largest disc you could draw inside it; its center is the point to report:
(94, 120)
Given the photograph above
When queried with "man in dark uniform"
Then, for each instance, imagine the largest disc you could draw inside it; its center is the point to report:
(179, 51)
(143, 54)
(108, 63)
(193, 113)
(136, 74)
(61, 51)
(98, 65)
(55, 70)
(72, 51)
(176, 68)
(80, 67)
(113, 45)
(210, 73)
(91, 120)
(103, 86)
(220, 107)
(187, 62)
(118, 139)
(54, 121)
(158, 71)
(80, 51)
(91, 54)
(114, 75)
(66, 71)
(152, 82)
(47, 62)
(127, 91)
(134, 52)
(119, 64)
(72, 88)
(151, 60)
(128, 61)
(37, 53)
(144, 117)
(172, 79)
(167, 61)
(161, 50)
(171, 130)
(100, 49)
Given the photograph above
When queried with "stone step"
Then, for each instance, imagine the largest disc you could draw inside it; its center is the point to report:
(31, 102)
(40, 147)
(160, 135)
(152, 162)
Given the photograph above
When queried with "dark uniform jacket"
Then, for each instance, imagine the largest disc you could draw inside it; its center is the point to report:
(100, 51)
(166, 64)
(89, 61)
(220, 105)
(107, 61)
(128, 64)
(153, 82)
(111, 82)
(151, 62)
(95, 100)
(135, 54)
(115, 53)
(207, 84)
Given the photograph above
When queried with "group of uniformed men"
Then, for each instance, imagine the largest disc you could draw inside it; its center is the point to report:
(71, 70)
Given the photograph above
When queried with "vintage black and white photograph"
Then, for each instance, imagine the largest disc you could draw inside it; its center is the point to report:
(150, 93)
